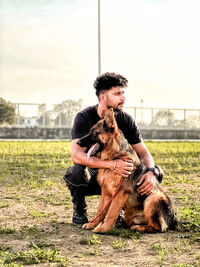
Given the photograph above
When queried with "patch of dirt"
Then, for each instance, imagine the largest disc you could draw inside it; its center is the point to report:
(56, 230)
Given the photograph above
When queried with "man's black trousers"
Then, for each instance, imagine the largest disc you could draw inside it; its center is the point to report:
(79, 185)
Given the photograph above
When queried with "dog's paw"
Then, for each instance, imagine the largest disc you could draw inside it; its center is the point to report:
(101, 228)
(88, 226)
(97, 229)
(138, 228)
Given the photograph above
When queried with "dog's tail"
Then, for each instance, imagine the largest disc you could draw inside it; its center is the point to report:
(169, 214)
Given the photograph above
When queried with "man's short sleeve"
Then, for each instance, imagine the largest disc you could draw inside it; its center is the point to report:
(129, 128)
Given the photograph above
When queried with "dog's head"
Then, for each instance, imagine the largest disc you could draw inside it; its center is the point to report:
(100, 133)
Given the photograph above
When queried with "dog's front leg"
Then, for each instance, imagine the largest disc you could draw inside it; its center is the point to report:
(100, 217)
(114, 210)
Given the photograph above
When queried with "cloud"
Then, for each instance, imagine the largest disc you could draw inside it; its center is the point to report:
(49, 49)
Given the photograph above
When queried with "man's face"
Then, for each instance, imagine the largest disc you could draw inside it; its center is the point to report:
(115, 98)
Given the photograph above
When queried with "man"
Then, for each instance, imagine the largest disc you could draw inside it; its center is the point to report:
(110, 92)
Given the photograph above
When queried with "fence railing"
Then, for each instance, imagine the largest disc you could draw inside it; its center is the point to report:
(169, 118)
(62, 115)
(42, 115)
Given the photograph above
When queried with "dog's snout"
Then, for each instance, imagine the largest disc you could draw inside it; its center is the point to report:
(79, 142)
(94, 133)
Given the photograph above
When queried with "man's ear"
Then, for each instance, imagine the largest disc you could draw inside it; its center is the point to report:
(102, 96)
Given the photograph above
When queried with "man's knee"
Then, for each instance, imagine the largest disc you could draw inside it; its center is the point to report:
(78, 183)
(75, 176)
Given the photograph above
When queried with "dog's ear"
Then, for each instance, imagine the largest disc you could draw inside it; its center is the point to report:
(110, 119)
(103, 114)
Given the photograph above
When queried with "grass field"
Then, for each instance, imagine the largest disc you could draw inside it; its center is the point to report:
(36, 211)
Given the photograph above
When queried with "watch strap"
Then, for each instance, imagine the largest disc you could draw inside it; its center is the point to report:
(154, 170)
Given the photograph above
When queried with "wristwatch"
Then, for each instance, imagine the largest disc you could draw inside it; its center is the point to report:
(154, 170)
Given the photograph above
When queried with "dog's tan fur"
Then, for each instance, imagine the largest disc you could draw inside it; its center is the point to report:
(152, 213)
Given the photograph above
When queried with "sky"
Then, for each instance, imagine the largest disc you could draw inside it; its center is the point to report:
(49, 50)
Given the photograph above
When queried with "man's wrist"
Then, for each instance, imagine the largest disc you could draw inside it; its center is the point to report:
(109, 164)
(157, 171)
(154, 170)
(114, 164)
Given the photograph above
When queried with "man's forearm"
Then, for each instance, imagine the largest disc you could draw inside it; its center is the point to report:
(79, 156)
(92, 162)
(144, 154)
(147, 160)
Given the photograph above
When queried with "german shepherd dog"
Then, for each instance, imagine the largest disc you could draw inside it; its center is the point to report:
(144, 213)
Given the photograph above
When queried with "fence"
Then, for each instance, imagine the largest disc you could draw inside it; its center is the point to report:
(42, 115)
(36, 121)
(62, 115)
(162, 118)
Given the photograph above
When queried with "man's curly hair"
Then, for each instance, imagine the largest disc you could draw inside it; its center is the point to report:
(108, 80)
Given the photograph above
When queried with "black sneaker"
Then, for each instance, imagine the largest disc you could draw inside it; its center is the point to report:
(79, 219)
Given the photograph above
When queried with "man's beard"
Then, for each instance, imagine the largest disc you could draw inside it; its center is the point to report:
(116, 109)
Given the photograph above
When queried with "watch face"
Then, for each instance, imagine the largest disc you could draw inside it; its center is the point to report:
(156, 171)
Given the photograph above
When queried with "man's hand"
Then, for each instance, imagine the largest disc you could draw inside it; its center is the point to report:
(124, 167)
(148, 181)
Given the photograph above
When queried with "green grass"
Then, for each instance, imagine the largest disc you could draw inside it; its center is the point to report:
(35, 255)
(33, 161)
(6, 231)
(31, 179)
(119, 244)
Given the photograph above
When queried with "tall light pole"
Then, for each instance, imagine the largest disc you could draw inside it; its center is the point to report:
(99, 39)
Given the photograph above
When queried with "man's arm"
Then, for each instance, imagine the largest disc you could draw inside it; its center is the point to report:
(144, 154)
(148, 179)
(79, 156)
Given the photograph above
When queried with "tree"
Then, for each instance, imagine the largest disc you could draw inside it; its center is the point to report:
(66, 112)
(44, 119)
(7, 112)
(163, 118)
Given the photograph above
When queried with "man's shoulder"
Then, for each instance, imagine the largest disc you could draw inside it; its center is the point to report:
(123, 115)
(83, 121)
(88, 110)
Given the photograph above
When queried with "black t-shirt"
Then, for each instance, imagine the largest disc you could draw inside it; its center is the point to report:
(88, 117)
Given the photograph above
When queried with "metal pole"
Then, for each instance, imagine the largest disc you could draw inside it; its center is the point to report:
(152, 118)
(99, 39)
(18, 115)
(184, 118)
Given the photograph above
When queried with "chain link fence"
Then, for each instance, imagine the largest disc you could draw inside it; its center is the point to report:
(62, 115)
(165, 118)
(42, 115)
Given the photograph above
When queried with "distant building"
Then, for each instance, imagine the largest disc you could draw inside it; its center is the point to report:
(30, 121)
